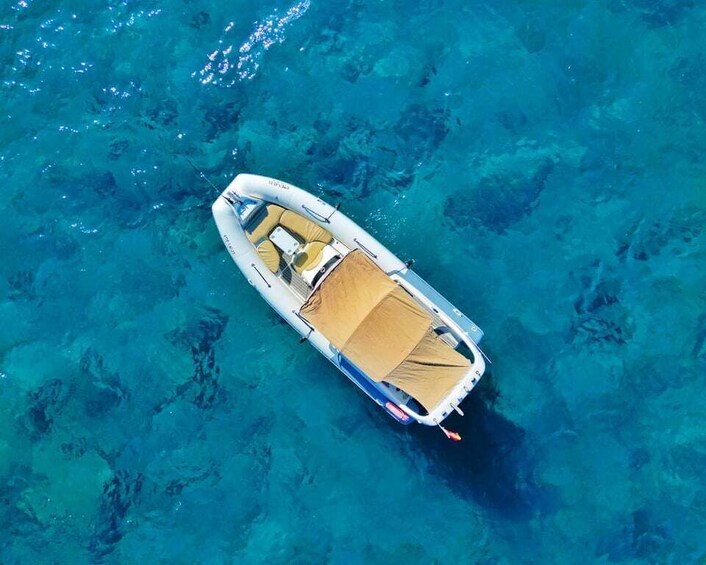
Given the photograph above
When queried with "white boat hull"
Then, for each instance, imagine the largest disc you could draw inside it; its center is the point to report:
(352, 236)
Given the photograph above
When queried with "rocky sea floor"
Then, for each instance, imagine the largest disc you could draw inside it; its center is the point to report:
(545, 165)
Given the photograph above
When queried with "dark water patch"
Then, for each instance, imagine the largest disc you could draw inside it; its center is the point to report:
(117, 148)
(347, 176)
(17, 518)
(493, 464)
(642, 536)
(656, 13)
(512, 120)
(175, 487)
(75, 448)
(581, 78)
(176, 191)
(101, 182)
(220, 118)
(602, 160)
(531, 35)
(109, 103)
(120, 494)
(100, 389)
(594, 330)
(650, 374)
(360, 64)
(44, 405)
(55, 239)
(428, 73)
(396, 152)
(597, 296)
(687, 461)
(344, 160)
(161, 114)
(203, 388)
(125, 203)
(690, 73)
(21, 286)
(200, 19)
(639, 457)
(499, 200)
(340, 157)
(699, 349)
(671, 234)
(600, 316)
(422, 127)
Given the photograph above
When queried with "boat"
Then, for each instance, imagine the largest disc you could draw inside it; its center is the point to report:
(400, 341)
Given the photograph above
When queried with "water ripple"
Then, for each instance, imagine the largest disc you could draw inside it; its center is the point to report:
(268, 32)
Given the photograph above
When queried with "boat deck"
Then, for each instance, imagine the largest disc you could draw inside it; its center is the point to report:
(293, 280)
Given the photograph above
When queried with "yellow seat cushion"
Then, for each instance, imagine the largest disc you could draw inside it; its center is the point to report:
(269, 254)
(304, 228)
(309, 256)
(265, 221)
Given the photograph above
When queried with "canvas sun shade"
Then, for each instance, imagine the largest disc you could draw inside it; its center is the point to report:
(382, 330)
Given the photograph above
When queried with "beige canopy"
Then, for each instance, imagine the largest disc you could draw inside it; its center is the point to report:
(381, 329)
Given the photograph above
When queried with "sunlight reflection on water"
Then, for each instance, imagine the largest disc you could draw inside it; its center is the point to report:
(268, 32)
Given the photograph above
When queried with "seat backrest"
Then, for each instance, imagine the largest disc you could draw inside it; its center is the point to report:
(305, 229)
(269, 254)
(264, 222)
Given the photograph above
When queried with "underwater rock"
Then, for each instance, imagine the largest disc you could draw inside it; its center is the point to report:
(601, 318)
(221, 118)
(176, 486)
(203, 388)
(641, 537)
(74, 449)
(200, 19)
(22, 286)
(699, 349)
(656, 13)
(355, 67)
(120, 493)
(103, 182)
(687, 461)
(101, 389)
(344, 161)
(427, 75)
(16, 517)
(117, 148)
(647, 239)
(499, 200)
(45, 404)
(163, 114)
(512, 120)
(531, 36)
(639, 457)
(421, 130)
(690, 73)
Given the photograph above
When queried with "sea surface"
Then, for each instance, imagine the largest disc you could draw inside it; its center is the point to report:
(543, 162)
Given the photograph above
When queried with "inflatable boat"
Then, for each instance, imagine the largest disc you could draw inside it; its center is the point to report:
(366, 311)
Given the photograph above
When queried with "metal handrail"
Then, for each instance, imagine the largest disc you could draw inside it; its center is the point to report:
(365, 248)
(315, 214)
(261, 275)
(321, 217)
(312, 329)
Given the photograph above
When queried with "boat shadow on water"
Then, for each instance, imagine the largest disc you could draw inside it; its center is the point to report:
(493, 465)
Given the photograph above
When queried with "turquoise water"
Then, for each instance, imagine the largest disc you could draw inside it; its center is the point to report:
(544, 163)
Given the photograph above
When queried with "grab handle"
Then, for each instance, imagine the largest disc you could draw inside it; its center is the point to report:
(306, 323)
(261, 275)
(365, 248)
(315, 214)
